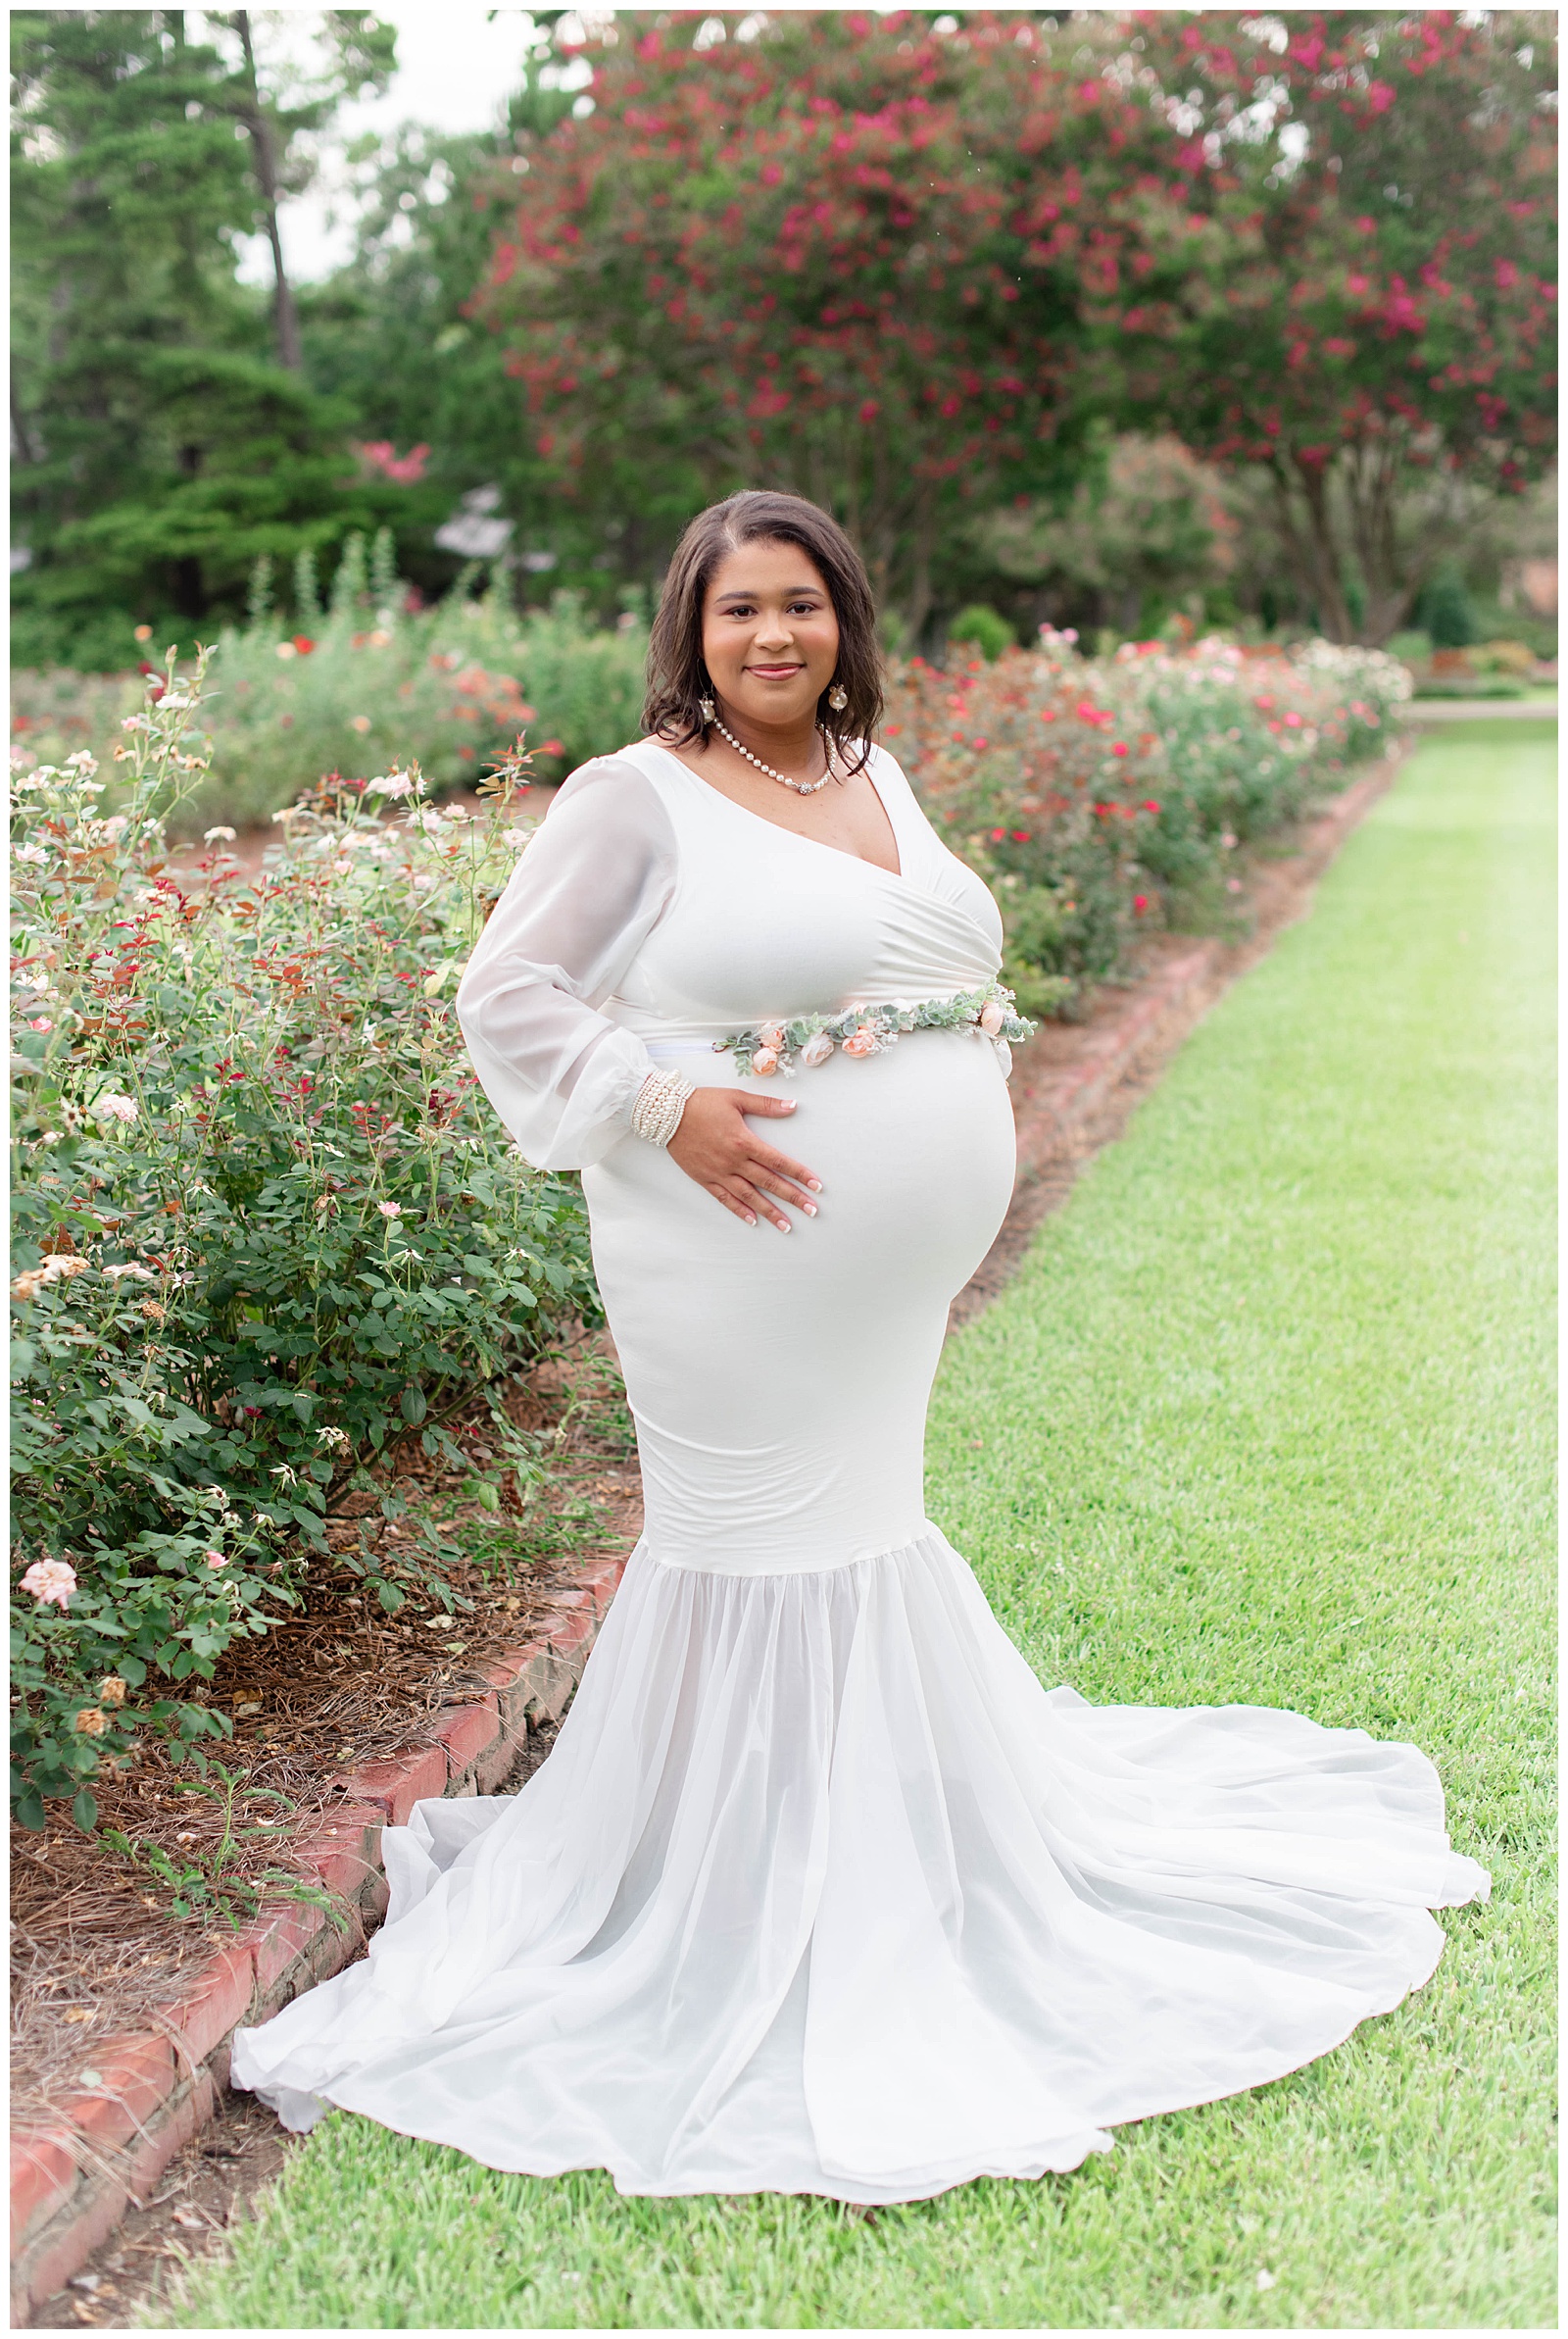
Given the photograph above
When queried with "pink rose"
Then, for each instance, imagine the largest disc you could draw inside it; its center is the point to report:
(772, 1036)
(764, 1061)
(992, 1017)
(51, 1581)
(818, 1049)
(862, 1042)
(217, 1559)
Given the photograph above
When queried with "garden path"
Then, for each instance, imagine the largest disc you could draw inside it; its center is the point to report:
(1263, 1416)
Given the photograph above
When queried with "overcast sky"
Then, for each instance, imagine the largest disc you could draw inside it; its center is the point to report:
(457, 63)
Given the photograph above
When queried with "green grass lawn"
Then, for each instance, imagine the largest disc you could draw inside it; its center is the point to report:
(1265, 1416)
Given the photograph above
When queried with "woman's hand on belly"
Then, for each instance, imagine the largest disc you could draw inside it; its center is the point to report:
(717, 1150)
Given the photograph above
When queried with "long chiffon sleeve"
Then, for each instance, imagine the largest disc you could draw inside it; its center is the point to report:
(586, 894)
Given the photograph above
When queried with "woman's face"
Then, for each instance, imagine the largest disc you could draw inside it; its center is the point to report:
(771, 638)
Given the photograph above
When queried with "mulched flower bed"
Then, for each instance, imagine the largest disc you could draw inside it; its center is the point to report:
(97, 1944)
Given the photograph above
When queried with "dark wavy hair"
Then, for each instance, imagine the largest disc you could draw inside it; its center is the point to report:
(677, 678)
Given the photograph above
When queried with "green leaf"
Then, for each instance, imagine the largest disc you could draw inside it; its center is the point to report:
(84, 1810)
(391, 1600)
(412, 1405)
(29, 1811)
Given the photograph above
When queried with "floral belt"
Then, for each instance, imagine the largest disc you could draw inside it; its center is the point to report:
(779, 1047)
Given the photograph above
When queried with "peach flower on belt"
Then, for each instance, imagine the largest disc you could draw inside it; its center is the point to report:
(859, 1043)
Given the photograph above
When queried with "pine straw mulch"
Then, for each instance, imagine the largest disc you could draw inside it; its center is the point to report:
(95, 1947)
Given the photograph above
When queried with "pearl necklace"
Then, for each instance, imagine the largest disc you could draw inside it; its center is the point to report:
(801, 787)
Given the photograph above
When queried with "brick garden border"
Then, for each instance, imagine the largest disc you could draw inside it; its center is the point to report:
(75, 2174)
(105, 2146)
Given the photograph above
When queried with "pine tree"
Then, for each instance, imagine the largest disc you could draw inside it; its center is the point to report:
(159, 447)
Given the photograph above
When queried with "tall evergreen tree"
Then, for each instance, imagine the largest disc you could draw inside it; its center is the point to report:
(160, 446)
(393, 334)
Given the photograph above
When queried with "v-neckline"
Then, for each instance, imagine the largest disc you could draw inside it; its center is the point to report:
(899, 874)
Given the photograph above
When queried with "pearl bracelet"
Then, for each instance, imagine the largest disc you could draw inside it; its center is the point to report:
(660, 1102)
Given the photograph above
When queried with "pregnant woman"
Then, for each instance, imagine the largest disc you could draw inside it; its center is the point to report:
(820, 1890)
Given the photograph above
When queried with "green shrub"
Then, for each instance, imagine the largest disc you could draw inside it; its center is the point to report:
(1515, 658)
(356, 686)
(1448, 612)
(1517, 622)
(984, 628)
(265, 1222)
(1103, 797)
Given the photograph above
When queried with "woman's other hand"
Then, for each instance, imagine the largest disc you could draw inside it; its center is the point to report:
(716, 1147)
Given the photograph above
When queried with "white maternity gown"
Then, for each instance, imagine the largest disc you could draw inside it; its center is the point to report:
(820, 1890)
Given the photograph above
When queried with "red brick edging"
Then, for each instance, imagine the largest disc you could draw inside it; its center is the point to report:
(74, 2175)
(104, 2146)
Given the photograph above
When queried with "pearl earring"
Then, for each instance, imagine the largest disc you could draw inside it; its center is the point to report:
(707, 709)
(838, 698)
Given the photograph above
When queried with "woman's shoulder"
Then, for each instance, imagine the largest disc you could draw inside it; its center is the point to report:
(888, 774)
(611, 798)
(606, 781)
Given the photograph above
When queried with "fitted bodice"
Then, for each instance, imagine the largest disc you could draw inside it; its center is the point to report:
(651, 911)
(763, 921)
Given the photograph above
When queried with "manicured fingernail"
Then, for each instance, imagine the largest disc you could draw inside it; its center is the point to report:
(811, 1210)
(782, 1224)
(750, 1220)
(814, 1185)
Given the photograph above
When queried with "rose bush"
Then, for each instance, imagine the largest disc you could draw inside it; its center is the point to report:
(1103, 798)
(265, 1222)
(366, 680)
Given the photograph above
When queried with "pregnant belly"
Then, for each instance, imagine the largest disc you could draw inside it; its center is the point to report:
(780, 1383)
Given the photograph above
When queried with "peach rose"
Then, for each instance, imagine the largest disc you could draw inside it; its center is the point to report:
(51, 1579)
(818, 1049)
(992, 1017)
(862, 1042)
(764, 1061)
(771, 1035)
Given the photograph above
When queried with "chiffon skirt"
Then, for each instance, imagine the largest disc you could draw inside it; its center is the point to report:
(820, 1890)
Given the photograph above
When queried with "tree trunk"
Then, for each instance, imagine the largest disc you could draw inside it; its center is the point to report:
(285, 317)
(188, 583)
(22, 445)
(1328, 568)
(917, 604)
(1372, 476)
(1313, 552)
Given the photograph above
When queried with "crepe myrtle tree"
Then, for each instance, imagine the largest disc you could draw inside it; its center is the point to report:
(1367, 308)
(843, 254)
